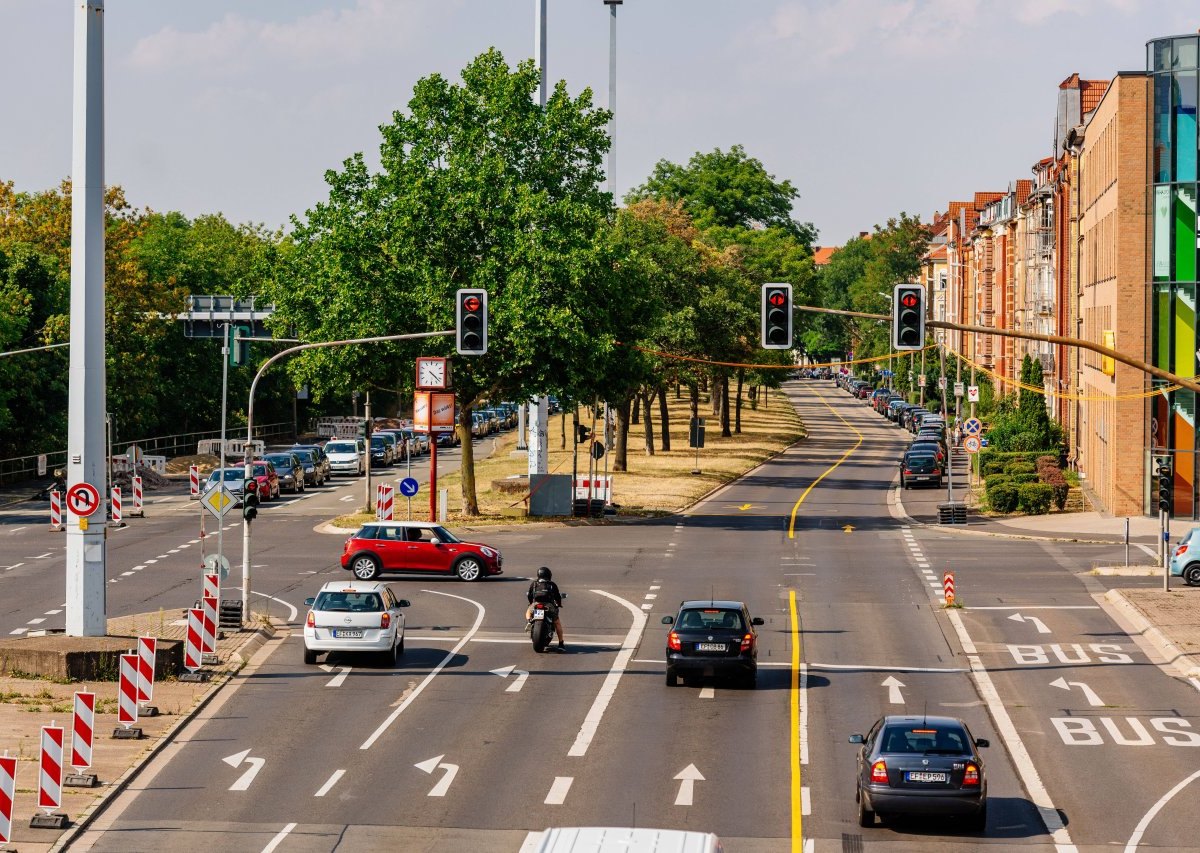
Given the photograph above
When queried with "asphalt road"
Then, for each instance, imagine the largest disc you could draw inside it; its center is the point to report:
(475, 741)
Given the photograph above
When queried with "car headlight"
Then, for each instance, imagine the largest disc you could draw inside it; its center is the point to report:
(488, 552)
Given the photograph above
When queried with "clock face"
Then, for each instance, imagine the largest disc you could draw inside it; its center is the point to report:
(431, 373)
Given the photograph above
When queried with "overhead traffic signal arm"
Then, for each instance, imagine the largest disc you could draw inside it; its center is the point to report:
(777, 316)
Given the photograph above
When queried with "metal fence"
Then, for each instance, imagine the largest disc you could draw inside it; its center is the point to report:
(20, 468)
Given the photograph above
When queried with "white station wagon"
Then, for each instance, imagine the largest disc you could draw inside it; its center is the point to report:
(354, 617)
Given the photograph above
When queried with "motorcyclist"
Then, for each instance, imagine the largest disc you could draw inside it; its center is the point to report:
(544, 589)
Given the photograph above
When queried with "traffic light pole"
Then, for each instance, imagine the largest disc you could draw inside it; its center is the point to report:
(249, 458)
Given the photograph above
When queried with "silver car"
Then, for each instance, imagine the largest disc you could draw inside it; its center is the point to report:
(354, 617)
(345, 457)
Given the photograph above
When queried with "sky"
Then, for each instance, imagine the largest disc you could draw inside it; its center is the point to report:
(869, 107)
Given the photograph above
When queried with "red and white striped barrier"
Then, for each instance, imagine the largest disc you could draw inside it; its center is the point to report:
(384, 502)
(8, 788)
(211, 585)
(192, 654)
(147, 652)
(948, 586)
(194, 481)
(50, 769)
(83, 730)
(139, 510)
(127, 701)
(56, 516)
(209, 607)
(116, 506)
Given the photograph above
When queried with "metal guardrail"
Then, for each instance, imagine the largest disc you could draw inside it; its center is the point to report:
(19, 468)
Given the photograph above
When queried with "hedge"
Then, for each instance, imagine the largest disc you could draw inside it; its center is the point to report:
(1003, 497)
(995, 466)
(1034, 498)
(995, 480)
(1020, 468)
(1050, 474)
(989, 454)
(1025, 477)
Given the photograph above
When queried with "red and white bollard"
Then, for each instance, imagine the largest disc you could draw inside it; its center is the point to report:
(127, 701)
(948, 587)
(209, 643)
(8, 788)
(384, 502)
(50, 769)
(147, 653)
(139, 509)
(211, 586)
(83, 729)
(56, 516)
(194, 481)
(192, 654)
(116, 507)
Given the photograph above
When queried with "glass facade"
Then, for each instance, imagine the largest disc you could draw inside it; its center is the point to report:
(1174, 64)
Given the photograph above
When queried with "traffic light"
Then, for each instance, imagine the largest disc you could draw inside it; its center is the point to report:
(908, 316)
(777, 316)
(470, 321)
(1166, 487)
(239, 347)
(250, 502)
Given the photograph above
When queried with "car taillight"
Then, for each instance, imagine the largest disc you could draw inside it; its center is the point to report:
(673, 642)
(937, 472)
(311, 621)
(747, 642)
(346, 547)
(971, 777)
(1180, 550)
(879, 772)
(907, 471)
(385, 621)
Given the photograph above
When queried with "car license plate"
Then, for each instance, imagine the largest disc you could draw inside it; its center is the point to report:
(710, 647)
(349, 635)
(539, 614)
(924, 776)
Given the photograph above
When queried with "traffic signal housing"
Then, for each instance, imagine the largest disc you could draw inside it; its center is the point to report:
(908, 316)
(777, 316)
(1166, 486)
(471, 321)
(239, 346)
(582, 434)
(250, 502)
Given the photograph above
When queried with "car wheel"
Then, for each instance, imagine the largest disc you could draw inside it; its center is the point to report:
(866, 817)
(300, 487)
(310, 657)
(978, 822)
(1191, 575)
(400, 648)
(390, 657)
(365, 567)
(468, 569)
(672, 678)
(749, 681)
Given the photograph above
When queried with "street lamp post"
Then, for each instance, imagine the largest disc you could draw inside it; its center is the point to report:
(612, 95)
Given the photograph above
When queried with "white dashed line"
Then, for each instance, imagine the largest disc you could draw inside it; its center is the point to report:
(148, 562)
(38, 621)
(707, 693)
(193, 541)
(43, 556)
(53, 612)
(653, 587)
(337, 774)
(19, 631)
(558, 791)
(647, 606)
(650, 596)
(126, 574)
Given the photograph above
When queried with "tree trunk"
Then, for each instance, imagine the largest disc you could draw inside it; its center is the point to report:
(470, 501)
(646, 396)
(635, 415)
(694, 396)
(621, 444)
(716, 396)
(664, 418)
(737, 401)
(563, 421)
(725, 432)
(678, 390)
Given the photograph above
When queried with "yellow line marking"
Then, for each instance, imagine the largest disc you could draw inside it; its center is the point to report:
(827, 471)
(794, 702)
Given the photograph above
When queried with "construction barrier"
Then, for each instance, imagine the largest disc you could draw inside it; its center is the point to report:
(50, 769)
(138, 509)
(210, 585)
(83, 729)
(116, 507)
(127, 692)
(208, 643)
(56, 516)
(192, 654)
(8, 789)
(384, 502)
(147, 652)
(948, 586)
(194, 481)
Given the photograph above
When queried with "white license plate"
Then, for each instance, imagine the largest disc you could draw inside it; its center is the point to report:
(924, 776)
(349, 635)
(710, 647)
(539, 614)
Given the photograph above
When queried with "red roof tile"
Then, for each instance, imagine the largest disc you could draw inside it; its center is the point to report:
(1090, 93)
(1024, 188)
(822, 255)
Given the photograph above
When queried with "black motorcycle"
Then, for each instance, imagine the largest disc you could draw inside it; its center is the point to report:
(542, 620)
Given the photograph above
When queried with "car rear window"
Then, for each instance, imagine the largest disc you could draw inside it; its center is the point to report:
(710, 618)
(950, 740)
(349, 602)
(340, 447)
(920, 464)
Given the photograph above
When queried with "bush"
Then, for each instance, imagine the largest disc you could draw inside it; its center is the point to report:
(993, 466)
(1020, 468)
(1046, 460)
(1003, 497)
(1026, 477)
(1052, 476)
(995, 480)
(1034, 498)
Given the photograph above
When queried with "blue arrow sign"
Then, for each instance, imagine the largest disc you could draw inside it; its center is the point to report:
(408, 487)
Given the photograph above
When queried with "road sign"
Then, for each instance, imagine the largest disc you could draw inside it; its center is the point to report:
(41, 465)
(409, 487)
(941, 383)
(83, 499)
(948, 587)
(972, 393)
(971, 444)
(972, 426)
(218, 501)
(958, 389)
(218, 563)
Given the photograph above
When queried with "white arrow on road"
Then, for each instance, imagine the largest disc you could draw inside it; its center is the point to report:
(893, 684)
(688, 777)
(1088, 693)
(518, 682)
(1037, 623)
(443, 785)
(337, 680)
(246, 778)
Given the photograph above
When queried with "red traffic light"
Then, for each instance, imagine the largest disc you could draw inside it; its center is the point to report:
(472, 303)
(776, 298)
(909, 300)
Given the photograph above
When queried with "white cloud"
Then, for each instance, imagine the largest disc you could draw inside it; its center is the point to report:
(1035, 12)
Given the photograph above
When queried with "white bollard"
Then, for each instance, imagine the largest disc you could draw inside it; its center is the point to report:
(139, 509)
(443, 502)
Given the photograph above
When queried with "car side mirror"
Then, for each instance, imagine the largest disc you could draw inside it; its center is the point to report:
(982, 742)
(857, 738)
(309, 602)
(435, 541)
(757, 620)
(563, 596)
(404, 602)
(668, 620)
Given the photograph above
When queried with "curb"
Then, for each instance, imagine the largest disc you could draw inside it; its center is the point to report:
(243, 653)
(1187, 665)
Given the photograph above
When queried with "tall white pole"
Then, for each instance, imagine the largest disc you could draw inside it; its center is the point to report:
(539, 414)
(85, 580)
(612, 97)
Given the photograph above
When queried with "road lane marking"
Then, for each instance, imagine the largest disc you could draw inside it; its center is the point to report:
(337, 774)
(18, 631)
(707, 693)
(53, 612)
(650, 596)
(43, 556)
(275, 842)
(1012, 739)
(292, 612)
(1140, 830)
(857, 667)
(13, 566)
(687, 778)
(813, 485)
(38, 621)
(126, 574)
(647, 606)
(558, 791)
(799, 724)
(236, 760)
(1040, 607)
(592, 721)
(338, 679)
(443, 784)
(805, 800)
(391, 718)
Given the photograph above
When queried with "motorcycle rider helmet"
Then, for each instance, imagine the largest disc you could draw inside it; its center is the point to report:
(544, 573)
